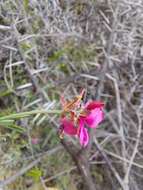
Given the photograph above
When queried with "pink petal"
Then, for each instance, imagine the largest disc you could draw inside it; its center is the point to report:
(94, 118)
(68, 127)
(94, 104)
(35, 140)
(83, 134)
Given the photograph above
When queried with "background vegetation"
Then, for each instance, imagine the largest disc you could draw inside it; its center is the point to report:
(54, 47)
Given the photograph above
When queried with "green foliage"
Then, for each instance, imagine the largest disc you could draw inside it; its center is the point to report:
(13, 127)
(56, 55)
(37, 24)
(63, 67)
(6, 122)
(78, 53)
(98, 176)
(9, 123)
(35, 173)
(5, 93)
(79, 7)
(26, 4)
(25, 46)
(64, 181)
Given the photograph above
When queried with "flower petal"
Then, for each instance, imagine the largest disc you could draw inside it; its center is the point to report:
(83, 134)
(94, 104)
(94, 118)
(35, 140)
(68, 127)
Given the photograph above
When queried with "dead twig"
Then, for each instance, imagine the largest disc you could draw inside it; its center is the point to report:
(109, 164)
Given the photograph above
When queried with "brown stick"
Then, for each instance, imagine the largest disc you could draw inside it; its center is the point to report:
(80, 159)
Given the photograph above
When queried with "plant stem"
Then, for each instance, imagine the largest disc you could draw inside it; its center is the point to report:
(82, 163)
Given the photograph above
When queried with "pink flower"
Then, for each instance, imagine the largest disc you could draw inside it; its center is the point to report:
(90, 115)
(83, 133)
(68, 127)
(35, 140)
(94, 114)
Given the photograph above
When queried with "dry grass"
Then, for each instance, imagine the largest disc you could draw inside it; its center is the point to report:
(49, 48)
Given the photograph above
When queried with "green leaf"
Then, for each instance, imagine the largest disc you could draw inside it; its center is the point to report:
(63, 67)
(26, 3)
(28, 113)
(6, 122)
(25, 46)
(15, 128)
(5, 93)
(56, 55)
(35, 173)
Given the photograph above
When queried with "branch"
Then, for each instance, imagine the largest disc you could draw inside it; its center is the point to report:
(109, 164)
(82, 163)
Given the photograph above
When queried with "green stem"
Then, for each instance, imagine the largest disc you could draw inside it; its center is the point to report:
(28, 113)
